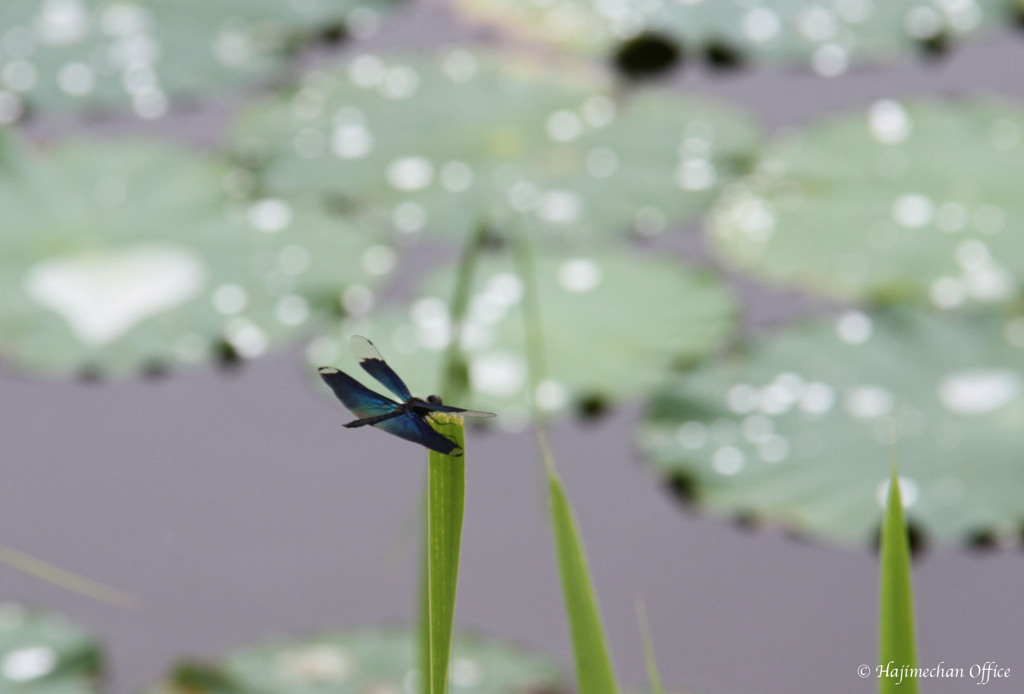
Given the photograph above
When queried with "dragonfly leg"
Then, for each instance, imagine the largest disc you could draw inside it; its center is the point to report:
(369, 421)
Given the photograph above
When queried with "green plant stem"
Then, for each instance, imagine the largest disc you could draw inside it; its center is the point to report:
(65, 579)
(423, 640)
(594, 671)
(533, 328)
(454, 384)
(445, 507)
(455, 381)
(896, 643)
(645, 636)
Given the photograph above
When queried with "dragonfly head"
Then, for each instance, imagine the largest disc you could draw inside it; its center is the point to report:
(434, 399)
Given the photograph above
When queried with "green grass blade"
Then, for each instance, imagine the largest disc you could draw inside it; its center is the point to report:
(68, 580)
(423, 627)
(594, 671)
(446, 498)
(897, 649)
(645, 636)
(455, 384)
(455, 378)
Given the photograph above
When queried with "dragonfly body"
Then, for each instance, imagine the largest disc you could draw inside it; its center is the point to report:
(408, 419)
(414, 406)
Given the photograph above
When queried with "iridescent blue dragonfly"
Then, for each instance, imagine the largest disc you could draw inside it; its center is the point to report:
(406, 419)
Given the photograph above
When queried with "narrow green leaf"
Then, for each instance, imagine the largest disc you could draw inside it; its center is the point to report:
(897, 649)
(456, 370)
(645, 636)
(446, 498)
(423, 618)
(594, 671)
(65, 579)
(455, 382)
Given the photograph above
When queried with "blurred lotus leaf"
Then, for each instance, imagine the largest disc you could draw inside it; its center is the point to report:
(59, 54)
(829, 37)
(919, 201)
(364, 661)
(447, 142)
(612, 323)
(802, 429)
(43, 653)
(126, 256)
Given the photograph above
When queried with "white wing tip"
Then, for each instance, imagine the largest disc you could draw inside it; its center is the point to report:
(363, 349)
(327, 370)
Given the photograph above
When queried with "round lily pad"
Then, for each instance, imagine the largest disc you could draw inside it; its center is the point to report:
(142, 53)
(803, 427)
(366, 660)
(43, 653)
(126, 256)
(912, 201)
(829, 37)
(449, 141)
(612, 323)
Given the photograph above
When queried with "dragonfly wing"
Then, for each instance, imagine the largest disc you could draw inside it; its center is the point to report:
(373, 363)
(414, 428)
(361, 400)
(459, 410)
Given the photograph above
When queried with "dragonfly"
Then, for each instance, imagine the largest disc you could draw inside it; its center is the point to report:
(407, 419)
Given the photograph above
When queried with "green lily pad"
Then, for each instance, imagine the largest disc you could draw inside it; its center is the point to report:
(916, 201)
(827, 36)
(366, 660)
(126, 256)
(142, 53)
(613, 322)
(447, 142)
(801, 430)
(43, 653)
